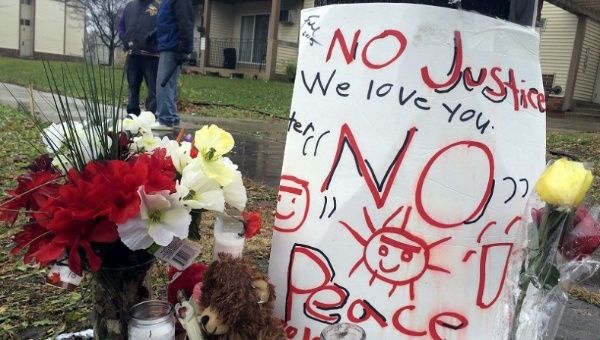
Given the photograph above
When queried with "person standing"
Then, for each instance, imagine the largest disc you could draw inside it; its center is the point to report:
(175, 31)
(137, 31)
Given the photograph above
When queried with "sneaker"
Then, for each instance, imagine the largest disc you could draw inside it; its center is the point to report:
(161, 127)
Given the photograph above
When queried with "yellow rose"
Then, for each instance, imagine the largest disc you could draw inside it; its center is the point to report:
(564, 183)
(213, 142)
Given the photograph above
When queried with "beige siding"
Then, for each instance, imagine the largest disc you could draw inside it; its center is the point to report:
(75, 31)
(9, 25)
(221, 20)
(588, 64)
(49, 26)
(285, 55)
(308, 4)
(556, 45)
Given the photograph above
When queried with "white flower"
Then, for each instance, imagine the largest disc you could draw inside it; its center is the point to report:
(91, 144)
(200, 191)
(235, 192)
(139, 124)
(62, 164)
(55, 135)
(161, 217)
(179, 153)
(146, 142)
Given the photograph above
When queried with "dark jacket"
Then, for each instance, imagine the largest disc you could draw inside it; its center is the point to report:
(137, 27)
(175, 26)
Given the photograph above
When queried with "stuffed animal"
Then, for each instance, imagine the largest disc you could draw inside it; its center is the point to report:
(236, 302)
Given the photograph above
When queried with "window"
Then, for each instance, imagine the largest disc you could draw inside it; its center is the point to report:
(25, 22)
(253, 38)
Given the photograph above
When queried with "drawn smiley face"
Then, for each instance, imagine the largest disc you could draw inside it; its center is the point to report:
(293, 202)
(395, 256)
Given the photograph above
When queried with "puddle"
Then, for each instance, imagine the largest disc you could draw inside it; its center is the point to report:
(258, 149)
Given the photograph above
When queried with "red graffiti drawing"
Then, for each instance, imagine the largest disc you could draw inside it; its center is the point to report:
(379, 190)
(487, 194)
(489, 290)
(293, 203)
(324, 296)
(448, 322)
(400, 327)
(394, 255)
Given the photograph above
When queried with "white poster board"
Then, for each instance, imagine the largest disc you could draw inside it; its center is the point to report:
(416, 134)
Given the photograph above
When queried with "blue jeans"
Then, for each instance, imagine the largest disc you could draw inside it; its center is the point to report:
(141, 67)
(166, 97)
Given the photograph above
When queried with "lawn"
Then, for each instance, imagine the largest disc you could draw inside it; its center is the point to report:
(30, 309)
(212, 96)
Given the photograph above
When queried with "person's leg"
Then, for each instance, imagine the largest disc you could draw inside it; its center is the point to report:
(150, 70)
(166, 110)
(134, 79)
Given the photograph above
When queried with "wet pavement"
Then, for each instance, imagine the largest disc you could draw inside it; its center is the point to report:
(259, 154)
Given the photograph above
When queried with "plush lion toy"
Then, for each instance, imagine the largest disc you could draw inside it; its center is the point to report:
(237, 302)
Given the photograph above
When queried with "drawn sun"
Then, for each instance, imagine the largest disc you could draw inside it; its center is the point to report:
(393, 254)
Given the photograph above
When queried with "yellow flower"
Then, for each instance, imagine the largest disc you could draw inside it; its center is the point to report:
(564, 183)
(213, 142)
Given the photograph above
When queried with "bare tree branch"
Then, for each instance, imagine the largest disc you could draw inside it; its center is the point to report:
(102, 20)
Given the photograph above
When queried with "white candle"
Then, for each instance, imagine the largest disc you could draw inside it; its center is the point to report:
(229, 236)
(152, 320)
(155, 332)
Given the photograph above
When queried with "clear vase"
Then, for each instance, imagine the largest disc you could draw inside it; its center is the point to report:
(122, 282)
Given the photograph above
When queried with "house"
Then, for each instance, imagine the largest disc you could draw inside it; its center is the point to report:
(570, 53)
(242, 38)
(49, 29)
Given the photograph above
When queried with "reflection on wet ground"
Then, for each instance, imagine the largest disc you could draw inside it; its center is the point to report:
(259, 145)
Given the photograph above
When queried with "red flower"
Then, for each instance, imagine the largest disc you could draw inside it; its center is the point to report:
(32, 238)
(252, 223)
(184, 280)
(33, 190)
(584, 238)
(87, 208)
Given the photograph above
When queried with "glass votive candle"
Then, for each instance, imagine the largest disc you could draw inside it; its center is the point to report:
(152, 320)
(343, 331)
(229, 236)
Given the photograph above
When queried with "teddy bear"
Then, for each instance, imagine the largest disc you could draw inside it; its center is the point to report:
(236, 302)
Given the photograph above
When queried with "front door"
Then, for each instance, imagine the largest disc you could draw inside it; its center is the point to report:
(253, 38)
(26, 29)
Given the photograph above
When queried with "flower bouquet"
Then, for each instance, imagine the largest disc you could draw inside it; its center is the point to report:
(109, 197)
(562, 234)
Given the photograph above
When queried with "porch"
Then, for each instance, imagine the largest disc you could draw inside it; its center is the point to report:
(581, 77)
(241, 38)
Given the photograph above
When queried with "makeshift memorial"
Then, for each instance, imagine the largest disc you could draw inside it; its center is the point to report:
(236, 303)
(413, 144)
(109, 197)
(562, 235)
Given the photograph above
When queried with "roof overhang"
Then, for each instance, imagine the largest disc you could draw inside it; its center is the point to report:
(589, 8)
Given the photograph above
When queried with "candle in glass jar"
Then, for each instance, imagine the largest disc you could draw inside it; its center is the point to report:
(229, 236)
(343, 331)
(152, 320)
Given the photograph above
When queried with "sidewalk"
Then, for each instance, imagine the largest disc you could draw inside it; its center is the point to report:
(259, 154)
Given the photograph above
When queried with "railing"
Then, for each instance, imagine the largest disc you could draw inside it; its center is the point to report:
(237, 53)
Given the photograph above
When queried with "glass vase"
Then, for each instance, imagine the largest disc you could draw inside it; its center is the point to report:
(121, 283)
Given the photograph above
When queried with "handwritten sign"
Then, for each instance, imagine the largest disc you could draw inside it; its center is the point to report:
(415, 136)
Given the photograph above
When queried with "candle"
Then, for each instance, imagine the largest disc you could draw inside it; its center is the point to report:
(229, 236)
(152, 320)
(343, 331)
